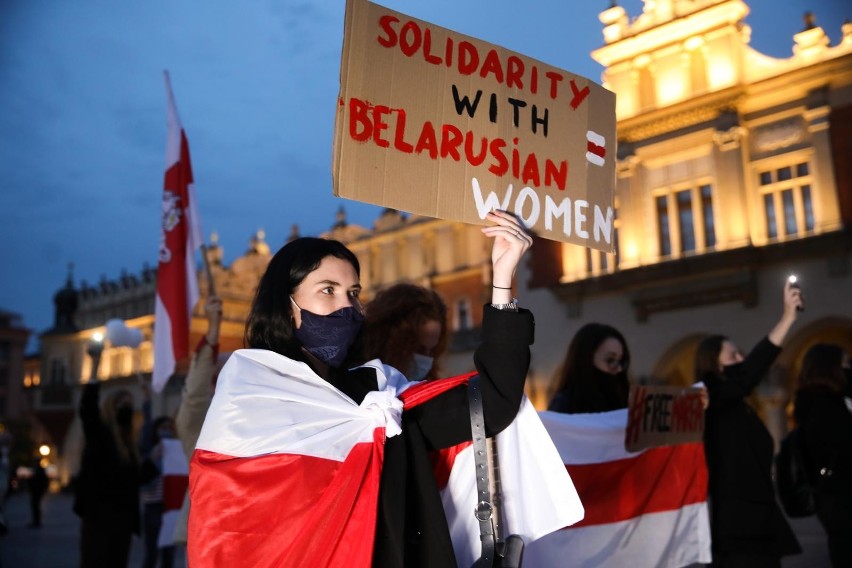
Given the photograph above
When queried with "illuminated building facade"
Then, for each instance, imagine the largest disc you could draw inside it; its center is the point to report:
(733, 172)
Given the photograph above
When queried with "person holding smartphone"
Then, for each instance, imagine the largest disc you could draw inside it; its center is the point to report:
(746, 524)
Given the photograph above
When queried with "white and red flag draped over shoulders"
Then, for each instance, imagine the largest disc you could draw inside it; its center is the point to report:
(177, 279)
(286, 470)
(644, 510)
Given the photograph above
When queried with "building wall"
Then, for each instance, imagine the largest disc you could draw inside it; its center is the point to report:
(732, 174)
(13, 341)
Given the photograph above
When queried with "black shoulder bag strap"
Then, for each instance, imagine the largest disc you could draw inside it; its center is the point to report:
(484, 510)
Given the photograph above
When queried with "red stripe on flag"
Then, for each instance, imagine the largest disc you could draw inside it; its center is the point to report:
(659, 479)
(310, 510)
(172, 277)
(442, 462)
(174, 490)
(427, 390)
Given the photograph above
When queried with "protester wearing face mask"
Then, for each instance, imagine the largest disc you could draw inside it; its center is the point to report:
(107, 486)
(406, 327)
(823, 412)
(747, 526)
(305, 460)
(593, 377)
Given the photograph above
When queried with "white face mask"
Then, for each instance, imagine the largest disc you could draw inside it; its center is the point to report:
(420, 368)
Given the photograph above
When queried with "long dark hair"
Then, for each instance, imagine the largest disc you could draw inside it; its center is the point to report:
(393, 321)
(822, 366)
(270, 321)
(707, 357)
(577, 385)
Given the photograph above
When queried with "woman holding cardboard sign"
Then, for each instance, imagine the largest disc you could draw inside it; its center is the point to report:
(305, 460)
(746, 524)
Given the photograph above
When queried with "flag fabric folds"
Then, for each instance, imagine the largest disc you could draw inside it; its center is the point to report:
(287, 468)
(645, 509)
(175, 482)
(177, 279)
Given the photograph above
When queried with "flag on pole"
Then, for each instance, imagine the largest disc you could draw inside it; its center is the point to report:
(177, 280)
(298, 465)
(645, 510)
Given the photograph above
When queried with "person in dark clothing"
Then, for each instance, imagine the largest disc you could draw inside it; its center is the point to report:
(151, 492)
(107, 488)
(746, 523)
(823, 412)
(594, 374)
(306, 318)
(38, 485)
(405, 326)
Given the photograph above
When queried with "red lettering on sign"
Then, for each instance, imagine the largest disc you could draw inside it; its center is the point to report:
(428, 141)
(492, 65)
(385, 23)
(360, 127)
(579, 95)
(634, 420)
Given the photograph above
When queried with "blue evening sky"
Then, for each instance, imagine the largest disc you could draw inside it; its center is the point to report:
(82, 117)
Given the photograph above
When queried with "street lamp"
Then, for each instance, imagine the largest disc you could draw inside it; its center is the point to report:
(44, 450)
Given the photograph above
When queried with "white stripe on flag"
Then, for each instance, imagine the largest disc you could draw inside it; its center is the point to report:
(538, 495)
(658, 540)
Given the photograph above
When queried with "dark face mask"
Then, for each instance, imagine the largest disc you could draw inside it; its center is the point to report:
(614, 388)
(124, 415)
(732, 370)
(328, 338)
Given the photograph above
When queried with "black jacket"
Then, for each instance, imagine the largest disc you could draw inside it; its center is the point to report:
(744, 515)
(106, 490)
(411, 529)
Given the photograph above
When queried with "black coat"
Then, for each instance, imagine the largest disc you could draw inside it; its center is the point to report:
(411, 529)
(106, 490)
(826, 425)
(744, 515)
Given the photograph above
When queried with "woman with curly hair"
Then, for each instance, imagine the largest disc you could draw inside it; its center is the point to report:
(406, 327)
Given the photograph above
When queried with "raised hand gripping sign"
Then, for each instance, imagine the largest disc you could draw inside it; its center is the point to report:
(440, 124)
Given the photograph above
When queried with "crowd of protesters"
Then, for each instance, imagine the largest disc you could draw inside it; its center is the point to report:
(119, 485)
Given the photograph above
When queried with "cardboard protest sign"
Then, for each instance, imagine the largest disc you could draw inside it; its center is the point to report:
(440, 124)
(663, 416)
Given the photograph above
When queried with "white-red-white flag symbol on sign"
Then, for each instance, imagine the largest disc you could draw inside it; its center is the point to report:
(177, 280)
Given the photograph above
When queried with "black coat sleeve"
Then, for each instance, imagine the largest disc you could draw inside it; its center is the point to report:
(741, 379)
(502, 360)
(90, 412)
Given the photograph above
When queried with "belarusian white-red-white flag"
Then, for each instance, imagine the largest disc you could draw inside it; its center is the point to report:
(644, 510)
(175, 472)
(286, 470)
(177, 279)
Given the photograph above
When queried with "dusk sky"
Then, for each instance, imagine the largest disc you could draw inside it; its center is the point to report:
(83, 117)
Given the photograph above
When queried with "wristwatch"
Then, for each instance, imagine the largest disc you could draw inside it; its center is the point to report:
(510, 307)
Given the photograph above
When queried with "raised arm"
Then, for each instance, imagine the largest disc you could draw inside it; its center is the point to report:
(792, 302)
(502, 358)
(90, 412)
(756, 364)
(198, 389)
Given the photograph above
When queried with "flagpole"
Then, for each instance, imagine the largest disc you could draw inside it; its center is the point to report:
(211, 286)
